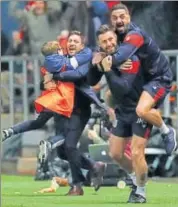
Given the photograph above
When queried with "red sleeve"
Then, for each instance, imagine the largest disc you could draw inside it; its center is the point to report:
(134, 39)
(132, 42)
(134, 68)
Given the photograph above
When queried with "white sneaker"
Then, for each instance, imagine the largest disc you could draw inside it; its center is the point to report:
(7, 133)
(44, 150)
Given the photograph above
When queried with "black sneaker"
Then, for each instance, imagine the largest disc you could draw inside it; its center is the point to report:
(7, 133)
(97, 175)
(133, 191)
(170, 141)
(136, 198)
(44, 150)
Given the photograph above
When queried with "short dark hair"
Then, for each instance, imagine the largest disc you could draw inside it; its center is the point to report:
(76, 32)
(103, 29)
(119, 6)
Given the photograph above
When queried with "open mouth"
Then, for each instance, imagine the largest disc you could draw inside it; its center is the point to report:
(120, 26)
(72, 49)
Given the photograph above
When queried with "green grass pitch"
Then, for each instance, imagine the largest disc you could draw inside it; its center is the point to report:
(18, 191)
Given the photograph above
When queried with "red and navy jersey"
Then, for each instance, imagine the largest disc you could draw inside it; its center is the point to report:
(126, 85)
(153, 61)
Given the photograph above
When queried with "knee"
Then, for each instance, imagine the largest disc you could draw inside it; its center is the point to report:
(140, 111)
(116, 155)
(137, 153)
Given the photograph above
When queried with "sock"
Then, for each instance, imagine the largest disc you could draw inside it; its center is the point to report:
(133, 177)
(141, 191)
(164, 129)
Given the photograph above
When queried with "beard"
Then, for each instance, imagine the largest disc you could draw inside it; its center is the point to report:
(111, 52)
(123, 31)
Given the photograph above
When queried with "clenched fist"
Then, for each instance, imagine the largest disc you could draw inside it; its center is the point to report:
(107, 63)
(127, 65)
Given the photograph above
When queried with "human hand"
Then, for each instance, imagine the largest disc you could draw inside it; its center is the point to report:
(92, 134)
(51, 85)
(107, 63)
(48, 77)
(127, 65)
(112, 117)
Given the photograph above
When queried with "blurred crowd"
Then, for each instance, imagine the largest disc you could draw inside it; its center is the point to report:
(41, 21)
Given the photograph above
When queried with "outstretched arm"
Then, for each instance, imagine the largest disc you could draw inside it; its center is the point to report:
(55, 63)
(73, 75)
(132, 42)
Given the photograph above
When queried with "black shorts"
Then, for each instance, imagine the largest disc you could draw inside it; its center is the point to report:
(133, 125)
(158, 90)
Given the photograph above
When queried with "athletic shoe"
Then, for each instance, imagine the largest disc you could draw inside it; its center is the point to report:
(136, 198)
(170, 141)
(7, 133)
(44, 150)
(133, 191)
(97, 175)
